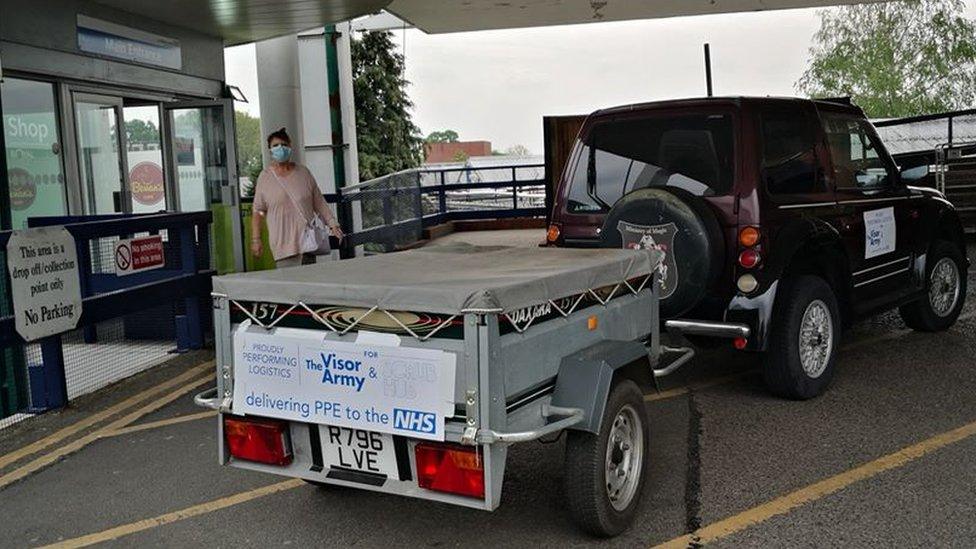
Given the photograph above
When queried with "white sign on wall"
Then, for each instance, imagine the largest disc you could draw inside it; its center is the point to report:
(44, 282)
(296, 374)
(879, 232)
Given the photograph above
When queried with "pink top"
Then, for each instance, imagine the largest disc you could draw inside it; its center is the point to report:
(285, 222)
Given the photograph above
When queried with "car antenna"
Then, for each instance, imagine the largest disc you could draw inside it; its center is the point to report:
(708, 69)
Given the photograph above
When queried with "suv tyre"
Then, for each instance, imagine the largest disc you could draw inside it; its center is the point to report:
(604, 473)
(800, 360)
(945, 285)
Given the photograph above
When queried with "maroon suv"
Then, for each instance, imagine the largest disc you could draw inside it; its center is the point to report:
(782, 220)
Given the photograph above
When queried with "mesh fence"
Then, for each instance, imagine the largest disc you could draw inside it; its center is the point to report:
(394, 206)
(393, 203)
(13, 369)
(96, 356)
(926, 135)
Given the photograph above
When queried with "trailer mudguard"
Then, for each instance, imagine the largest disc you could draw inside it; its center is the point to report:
(585, 377)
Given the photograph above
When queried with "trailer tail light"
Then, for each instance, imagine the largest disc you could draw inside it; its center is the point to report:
(749, 237)
(260, 440)
(740, 343)
(451, 469)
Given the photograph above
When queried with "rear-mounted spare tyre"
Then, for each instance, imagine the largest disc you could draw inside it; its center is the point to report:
(682, 226)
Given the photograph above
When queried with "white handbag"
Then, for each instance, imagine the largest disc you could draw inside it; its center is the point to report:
(315, 235)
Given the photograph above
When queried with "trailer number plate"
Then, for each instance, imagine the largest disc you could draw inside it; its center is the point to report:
(361, 451)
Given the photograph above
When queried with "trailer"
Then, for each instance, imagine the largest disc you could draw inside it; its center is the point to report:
(412, 373)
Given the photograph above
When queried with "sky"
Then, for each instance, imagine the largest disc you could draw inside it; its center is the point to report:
(497, 85)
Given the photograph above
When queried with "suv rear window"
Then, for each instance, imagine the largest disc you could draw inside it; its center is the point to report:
(789, 161)
(692, 152)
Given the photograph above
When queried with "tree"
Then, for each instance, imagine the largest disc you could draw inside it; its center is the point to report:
(895, 59)
(445, 136)
(250, 145)
(387, 139)
(517, 150)
(141, 131)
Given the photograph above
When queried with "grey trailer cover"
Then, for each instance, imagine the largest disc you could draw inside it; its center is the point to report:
(445, 279)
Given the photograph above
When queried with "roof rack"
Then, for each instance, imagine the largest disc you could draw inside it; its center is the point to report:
(846, 100)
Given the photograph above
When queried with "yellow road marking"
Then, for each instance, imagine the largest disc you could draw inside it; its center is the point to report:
(818, 490)
(201, 509)
(93, 419)
(160, 423)
(56, 454)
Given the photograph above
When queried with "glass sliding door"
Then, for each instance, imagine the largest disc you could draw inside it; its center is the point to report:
(101, 164)
(204, 164)
(144, 157)
(32, 150)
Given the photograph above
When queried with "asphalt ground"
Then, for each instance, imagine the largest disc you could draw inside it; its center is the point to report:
(887, 457)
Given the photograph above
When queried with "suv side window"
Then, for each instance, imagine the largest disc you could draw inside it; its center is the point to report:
(789, 158)
(854, 151)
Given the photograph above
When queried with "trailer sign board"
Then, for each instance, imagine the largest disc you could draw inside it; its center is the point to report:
(44, 281)
(297, 375)
(135, 255)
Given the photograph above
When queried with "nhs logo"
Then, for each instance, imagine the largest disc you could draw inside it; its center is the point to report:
(412, 420)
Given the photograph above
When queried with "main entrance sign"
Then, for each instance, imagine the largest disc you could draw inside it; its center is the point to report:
(44, 282)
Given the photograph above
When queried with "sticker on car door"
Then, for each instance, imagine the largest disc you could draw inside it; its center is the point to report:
(879, 232)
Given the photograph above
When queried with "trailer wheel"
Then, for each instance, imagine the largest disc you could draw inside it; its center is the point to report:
(604, 473)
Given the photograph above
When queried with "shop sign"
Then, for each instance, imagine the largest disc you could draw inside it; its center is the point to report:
(23, 191)
(121, 42)
(135, 255)
(44, 282)
(146, 182)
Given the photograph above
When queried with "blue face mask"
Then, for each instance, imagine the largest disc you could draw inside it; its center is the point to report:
(280, 153)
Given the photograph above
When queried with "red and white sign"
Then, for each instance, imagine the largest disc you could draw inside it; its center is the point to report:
(146, 182)
(139, 254)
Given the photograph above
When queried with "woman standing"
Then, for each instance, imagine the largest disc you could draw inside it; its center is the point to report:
(287, 196)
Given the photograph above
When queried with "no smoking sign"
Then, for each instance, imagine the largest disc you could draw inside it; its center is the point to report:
(135, 255)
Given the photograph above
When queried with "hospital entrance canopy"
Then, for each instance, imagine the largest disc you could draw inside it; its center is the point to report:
(241, 21)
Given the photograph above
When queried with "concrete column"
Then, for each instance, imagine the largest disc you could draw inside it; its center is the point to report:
(347, 102)
(279, 90)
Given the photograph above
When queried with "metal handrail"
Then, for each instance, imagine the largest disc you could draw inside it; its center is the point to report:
(489, 436)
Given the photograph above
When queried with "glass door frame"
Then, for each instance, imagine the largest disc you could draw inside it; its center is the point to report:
(230, 137)
(88, 193)
(230, 193)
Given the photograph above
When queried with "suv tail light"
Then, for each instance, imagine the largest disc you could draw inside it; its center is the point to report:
(260, 440)
(552, 234)
(450, 468)
(749, 237)
(749, 258)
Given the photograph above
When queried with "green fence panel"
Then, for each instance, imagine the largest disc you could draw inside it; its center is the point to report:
(251, 263)
(223, 238)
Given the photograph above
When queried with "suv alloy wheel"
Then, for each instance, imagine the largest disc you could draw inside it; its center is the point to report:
(802, 353)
